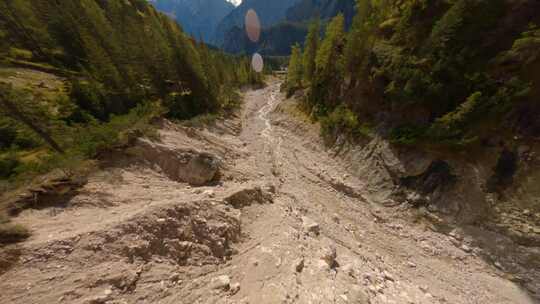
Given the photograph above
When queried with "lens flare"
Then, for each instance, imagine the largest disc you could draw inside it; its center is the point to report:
(257, 63)
(253, 26)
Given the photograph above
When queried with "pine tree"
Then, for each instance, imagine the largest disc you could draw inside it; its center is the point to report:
(359, 41)
(26, 112)
(326, 87)
(311, 45)
(294, 74)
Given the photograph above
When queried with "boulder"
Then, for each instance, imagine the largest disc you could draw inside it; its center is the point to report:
(240, 198)
(183, 165)
(201, 169)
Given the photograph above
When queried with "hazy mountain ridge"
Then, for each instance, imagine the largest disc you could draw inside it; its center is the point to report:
(278, 38)
(197, 17)
(325, 9)
(269, 12)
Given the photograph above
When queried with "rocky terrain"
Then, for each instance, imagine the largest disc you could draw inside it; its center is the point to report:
(254, 209)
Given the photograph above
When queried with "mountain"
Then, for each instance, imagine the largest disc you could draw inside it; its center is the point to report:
(269, 12)
(197, 17)
(275, 40)
(278, 38)
(325, 9)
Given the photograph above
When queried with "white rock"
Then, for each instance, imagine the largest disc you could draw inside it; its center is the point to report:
(455, 234)
(209, 193)
(329, 255)
(387, 276)
(310, 225)
(235, 288)
(222, 282)
(411, 264)
(349, 270)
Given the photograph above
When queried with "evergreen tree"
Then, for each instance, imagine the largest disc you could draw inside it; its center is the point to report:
(310, 46)
(17, 107)
(294, 74)
(326, 87)
(360, 40)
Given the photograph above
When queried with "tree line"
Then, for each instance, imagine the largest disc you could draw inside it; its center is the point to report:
(437, 72)
(120, 61)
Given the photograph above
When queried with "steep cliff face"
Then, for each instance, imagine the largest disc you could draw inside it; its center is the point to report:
(197, 17)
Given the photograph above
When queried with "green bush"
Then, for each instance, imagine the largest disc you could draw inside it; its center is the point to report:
(454, 124)
(12, 233)
(96, 138)
(8, 134)
(407, 134)
(89, 97)
(26, 139)
(8, 164)
(20, 54)
(341, 119)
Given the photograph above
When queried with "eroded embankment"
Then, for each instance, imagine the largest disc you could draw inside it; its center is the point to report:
(156, 209)
(486, 203)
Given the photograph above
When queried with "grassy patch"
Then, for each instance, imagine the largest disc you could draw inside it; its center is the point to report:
(230, 101)
(82, 143)
(6, 73)
(12, 233)
(201, 120)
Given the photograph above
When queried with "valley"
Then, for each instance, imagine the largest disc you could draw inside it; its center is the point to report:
(291, 151)
(282, 223)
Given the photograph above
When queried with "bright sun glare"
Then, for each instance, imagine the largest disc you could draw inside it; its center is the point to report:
(235, 2)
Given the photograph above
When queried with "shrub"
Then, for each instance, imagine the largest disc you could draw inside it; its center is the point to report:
(8, 164)
(89, 97)
(341, 119)
(12, 233)
(454, 124)
(20, 54)
(407, 134)
(7, 133)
